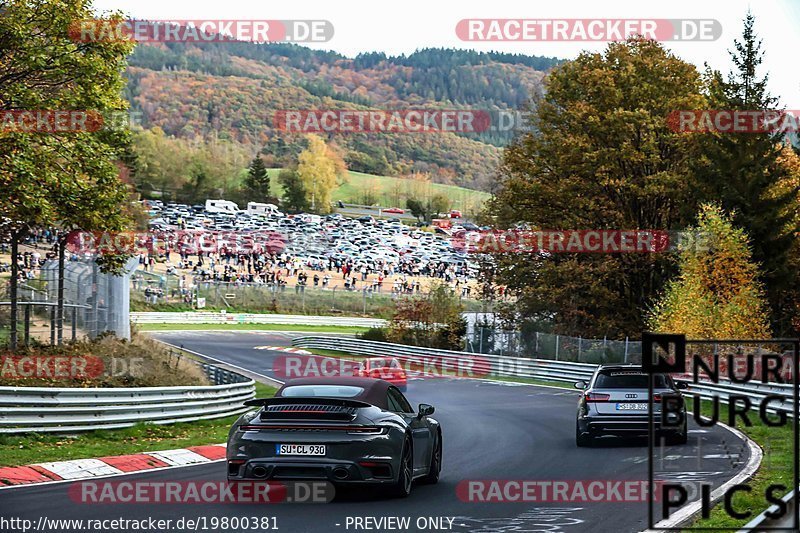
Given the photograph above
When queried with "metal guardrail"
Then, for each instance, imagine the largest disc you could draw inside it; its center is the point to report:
(209, 317)
(52, 410)
(496, 365)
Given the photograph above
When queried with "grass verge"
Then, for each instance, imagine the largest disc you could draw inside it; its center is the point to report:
(16, 450)
(776, 468)
(251, 327)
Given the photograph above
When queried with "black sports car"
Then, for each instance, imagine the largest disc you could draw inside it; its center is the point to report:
(345, 430)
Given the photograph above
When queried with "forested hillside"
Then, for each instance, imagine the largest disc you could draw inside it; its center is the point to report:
(232, 91)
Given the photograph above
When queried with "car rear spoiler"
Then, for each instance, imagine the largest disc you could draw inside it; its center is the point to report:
(305, 400)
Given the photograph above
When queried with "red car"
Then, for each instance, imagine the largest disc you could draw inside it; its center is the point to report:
(385, 368)
(394, 210)
(455, 213)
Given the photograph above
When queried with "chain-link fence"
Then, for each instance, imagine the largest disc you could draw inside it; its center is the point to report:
(94, 302)
(162, 292)
(489, 339)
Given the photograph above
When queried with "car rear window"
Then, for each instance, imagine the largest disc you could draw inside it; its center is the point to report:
(384, 363)
(324, 391)
(628, 380)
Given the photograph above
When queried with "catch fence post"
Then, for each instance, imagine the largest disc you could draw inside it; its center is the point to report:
(52, 325)
(27, 325)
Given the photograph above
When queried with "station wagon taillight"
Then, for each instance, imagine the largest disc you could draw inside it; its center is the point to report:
(596, 397)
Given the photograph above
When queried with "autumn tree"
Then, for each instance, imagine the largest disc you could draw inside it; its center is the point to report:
(70, 180)
(598, 154)
(744, 171)
(434, 320)
(440, 204)
(717, 293)
(318, 172)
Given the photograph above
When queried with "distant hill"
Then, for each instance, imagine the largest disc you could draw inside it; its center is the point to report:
(232, 90)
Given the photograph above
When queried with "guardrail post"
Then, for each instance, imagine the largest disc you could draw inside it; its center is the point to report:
(579, 348)
(557, 337)
(626, 350)
(536, 345)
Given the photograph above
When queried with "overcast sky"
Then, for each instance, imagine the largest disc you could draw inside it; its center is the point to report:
(404, 26)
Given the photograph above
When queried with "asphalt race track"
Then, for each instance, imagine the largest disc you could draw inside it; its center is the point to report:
(491, 431)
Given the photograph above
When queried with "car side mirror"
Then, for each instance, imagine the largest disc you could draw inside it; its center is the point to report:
(682, 385)
(580, 385)
(425, 410)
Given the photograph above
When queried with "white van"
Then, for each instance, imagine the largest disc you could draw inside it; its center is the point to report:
(221, 206)
(257, 208)
(310, 219)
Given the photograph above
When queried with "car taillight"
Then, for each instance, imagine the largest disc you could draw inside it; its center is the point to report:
(656, 398)
(596, 397)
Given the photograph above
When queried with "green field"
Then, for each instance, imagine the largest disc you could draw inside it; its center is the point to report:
(388, 191)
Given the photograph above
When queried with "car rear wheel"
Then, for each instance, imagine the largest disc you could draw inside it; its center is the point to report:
(582, 439)
(405, 477)
(435, 467)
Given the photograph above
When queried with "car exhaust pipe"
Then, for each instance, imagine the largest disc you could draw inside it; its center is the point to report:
(341, 473)
(259, 471)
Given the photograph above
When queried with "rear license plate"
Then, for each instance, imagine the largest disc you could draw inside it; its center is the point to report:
(631, 407)
(299, 449)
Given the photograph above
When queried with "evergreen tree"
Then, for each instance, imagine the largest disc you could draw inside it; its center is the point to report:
(294, 193)
(257, 180)
(744, 172)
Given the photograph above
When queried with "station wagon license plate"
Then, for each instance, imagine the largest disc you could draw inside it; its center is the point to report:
(299, 449)
(631, 407)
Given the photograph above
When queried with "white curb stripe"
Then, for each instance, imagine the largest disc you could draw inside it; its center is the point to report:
(283, 349)
(80, 468)
(180, 457)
